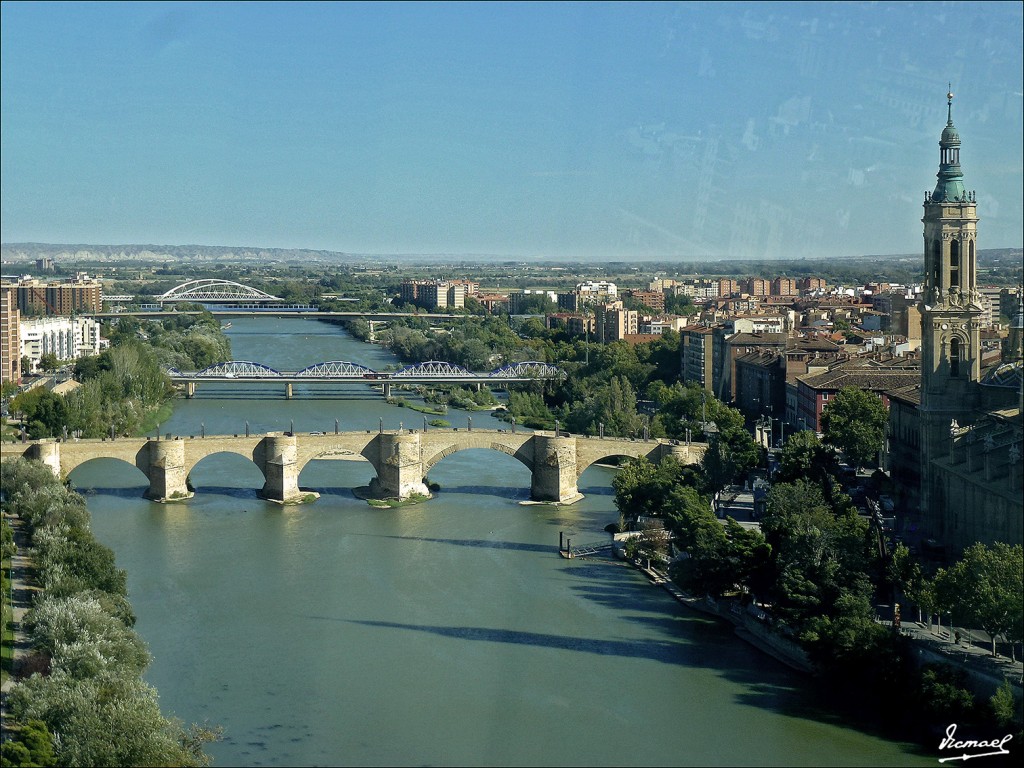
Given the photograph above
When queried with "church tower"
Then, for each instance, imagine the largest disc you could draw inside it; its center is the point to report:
(950, 308)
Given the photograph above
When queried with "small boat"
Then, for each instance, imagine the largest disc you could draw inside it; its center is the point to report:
(225, 326)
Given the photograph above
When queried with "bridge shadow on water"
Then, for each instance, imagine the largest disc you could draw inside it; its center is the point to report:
(482, 543)
(667, 651)
(766, 685)
(712, 643)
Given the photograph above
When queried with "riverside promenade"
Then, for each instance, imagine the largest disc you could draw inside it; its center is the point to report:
(972, 653)
(22, 593)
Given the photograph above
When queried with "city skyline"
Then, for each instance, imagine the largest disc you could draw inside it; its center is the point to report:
(606, 131)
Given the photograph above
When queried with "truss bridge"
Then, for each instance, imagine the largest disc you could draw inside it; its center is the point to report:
(344, 371)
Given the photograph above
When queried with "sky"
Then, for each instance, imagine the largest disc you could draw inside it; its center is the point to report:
(566, 131)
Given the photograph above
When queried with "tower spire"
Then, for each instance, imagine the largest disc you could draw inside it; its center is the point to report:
(950, 185)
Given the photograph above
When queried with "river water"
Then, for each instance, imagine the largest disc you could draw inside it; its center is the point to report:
(448, 632)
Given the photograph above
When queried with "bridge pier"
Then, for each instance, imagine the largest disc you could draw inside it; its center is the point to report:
(190, 389)
(48, 452)
(387, 390)
(277, 457)
(168, 480)
(399, 466)
(684, 452)
(288, 391)
(554, 469)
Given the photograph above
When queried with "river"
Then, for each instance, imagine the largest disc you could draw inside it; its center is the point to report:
(448, 632)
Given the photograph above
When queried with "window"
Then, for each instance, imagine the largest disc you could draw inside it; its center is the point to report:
(954, 357)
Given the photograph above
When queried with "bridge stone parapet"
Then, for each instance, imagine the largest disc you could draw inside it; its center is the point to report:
(400, 460)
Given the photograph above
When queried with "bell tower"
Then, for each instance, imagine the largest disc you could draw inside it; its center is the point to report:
(950, 307)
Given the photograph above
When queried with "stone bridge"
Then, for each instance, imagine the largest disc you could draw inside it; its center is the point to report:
(400, 459)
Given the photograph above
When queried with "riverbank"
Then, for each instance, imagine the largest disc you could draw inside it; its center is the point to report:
(748, 626)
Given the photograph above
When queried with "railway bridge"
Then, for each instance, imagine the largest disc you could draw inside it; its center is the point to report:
(400, 459)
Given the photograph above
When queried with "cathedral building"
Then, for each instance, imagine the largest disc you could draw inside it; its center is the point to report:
(955, 439)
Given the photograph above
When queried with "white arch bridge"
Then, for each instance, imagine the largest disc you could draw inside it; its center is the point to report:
(210, 291)
(344, 371)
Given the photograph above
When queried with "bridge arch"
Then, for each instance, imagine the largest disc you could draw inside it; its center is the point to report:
(212, 290)
(519, 455)
(200, 450)
(652, 453)
(528, 369)
(437, 368)
(335, 368)
(134, 472)
(236, 368)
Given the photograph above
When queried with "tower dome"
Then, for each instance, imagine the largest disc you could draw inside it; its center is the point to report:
(950, 186)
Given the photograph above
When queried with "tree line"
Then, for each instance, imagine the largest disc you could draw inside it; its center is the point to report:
(81, 700)
(816, 569)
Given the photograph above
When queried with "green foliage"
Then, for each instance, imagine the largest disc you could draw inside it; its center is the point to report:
(44, 412)
(612, 404)
(945, 696)
(31, 746)
(93, 696)
(818, 554)
(985, 588)
(855, 422)
(49, 362)
(645, 489)
(529, 406)
(1003, 706)
(803, 457)
(110, 719)
(682, 410)
(83, 639)
(7, 547)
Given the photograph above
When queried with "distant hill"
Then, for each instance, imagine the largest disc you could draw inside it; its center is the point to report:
(19, 252)
(63, 254)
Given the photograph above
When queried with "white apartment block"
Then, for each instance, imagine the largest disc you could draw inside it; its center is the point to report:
(757, 324)
(63, 337)
(602, 289)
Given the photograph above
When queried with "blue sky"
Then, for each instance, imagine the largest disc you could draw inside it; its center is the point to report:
(563, 131)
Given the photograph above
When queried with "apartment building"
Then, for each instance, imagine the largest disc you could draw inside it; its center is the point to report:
(613, 322)
(653, 299)
(36, 298)
(10, 339)
(63, 337)
(697, 356)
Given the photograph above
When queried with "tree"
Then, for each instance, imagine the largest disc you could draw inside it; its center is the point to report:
(683, 410)
(904, 573)
(855, 422)
(803, 457)
(112, 719)
(987, 587)
(818, 555)
(30, 747)
(49, 362)
(45, 413)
